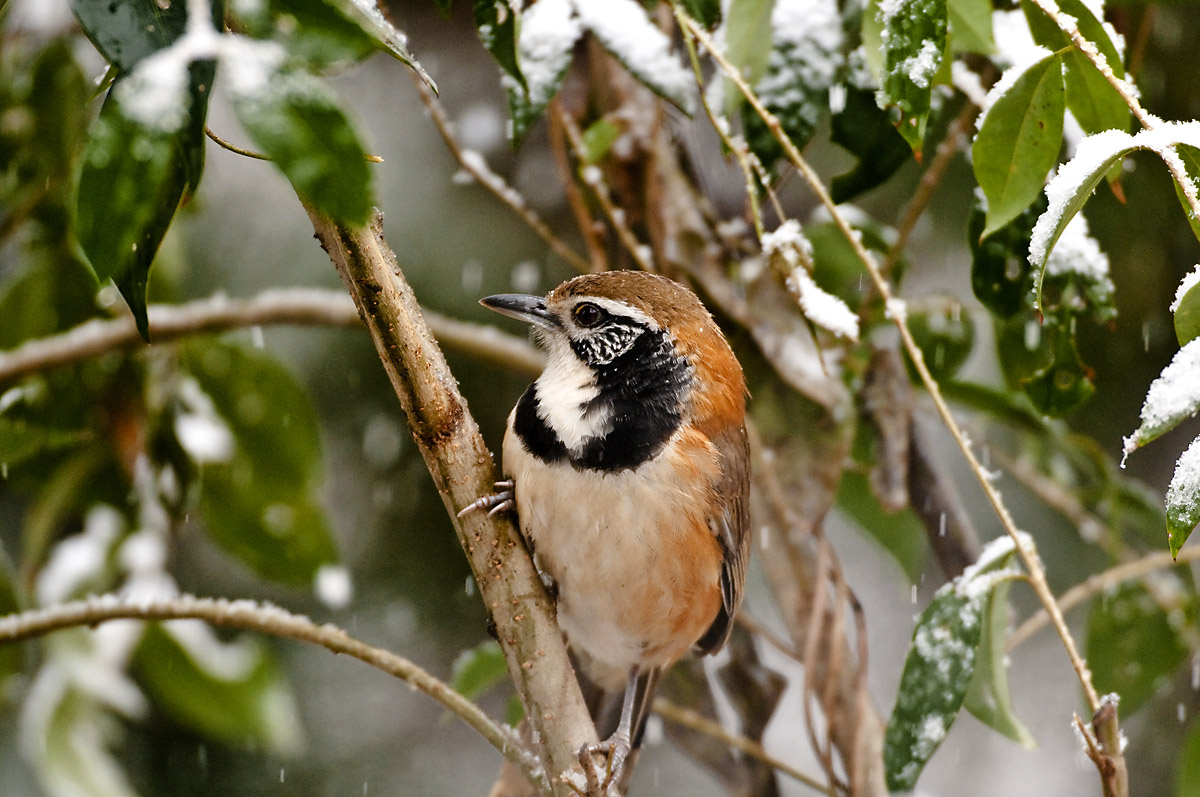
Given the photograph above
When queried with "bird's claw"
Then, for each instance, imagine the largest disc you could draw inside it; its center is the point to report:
(616, 750)
(496, 502)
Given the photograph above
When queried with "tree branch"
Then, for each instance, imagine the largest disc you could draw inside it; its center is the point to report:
(462, 470)
(299, 306)
(249, 615)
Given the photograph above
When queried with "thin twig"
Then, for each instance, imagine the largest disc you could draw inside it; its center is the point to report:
(698, 722)
(929, 182)
(299, 306)
(896, 311)
(1098, 583)
(266, 619)
(562, 162)
(593, 178)
(473, 164)
(249, 153)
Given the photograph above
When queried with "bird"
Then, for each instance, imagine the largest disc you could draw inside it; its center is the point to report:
(627, 462)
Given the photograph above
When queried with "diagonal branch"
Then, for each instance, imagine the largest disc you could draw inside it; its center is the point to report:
(262, 618)
(462, 470)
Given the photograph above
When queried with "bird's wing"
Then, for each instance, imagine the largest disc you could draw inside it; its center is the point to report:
(731, 523)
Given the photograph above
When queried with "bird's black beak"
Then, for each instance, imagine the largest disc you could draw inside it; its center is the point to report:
(530, 309)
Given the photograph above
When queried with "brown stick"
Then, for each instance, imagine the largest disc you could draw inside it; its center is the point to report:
(462, 469)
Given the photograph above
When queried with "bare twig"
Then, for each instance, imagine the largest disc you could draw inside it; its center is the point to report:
(473, 164)
(298, 306)
(266, 619)
(249, 153)
(462, 470)
(593, 178)
(1097, 584)
(592, 238)
(698, 722)
(897, 312)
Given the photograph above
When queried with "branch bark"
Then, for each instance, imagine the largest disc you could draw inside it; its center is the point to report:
(266, 619)
(462, 469)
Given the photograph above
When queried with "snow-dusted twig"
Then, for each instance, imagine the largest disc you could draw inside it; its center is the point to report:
(473, 164)
(698, 722)
(1097, 584)
(263, 618)
(297, 306)
(593, 178)
(897, 312)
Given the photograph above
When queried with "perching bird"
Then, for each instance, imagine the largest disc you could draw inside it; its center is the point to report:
(629, 470)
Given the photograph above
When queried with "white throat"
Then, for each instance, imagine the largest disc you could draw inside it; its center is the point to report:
(563, 391)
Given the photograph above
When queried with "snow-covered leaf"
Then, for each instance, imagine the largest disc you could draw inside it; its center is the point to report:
(913, 33)
(988, 697)
(940, 665)
(1067, 192)
(1190, 156)
(805, 58)
(229, 691)
(790, 252)
(1094, 103)
(1186, 307)
(625, 30)
(366, 14)
(1183, 496)
(548, 32)
(1019, 137)
(1076, 278)
(496, 24)
(1137, 637)
(296, 119)
(1172, 398)
(125, 33)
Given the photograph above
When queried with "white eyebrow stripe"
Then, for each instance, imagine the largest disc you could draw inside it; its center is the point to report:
(619, 308)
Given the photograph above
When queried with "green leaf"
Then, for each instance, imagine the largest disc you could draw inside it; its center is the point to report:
(126, 32)
(970, 24)
(295, 118)
(1187, 763)
(988, 696)
(900, 533)
(1183, 496)
(1191, 163)
(1094, 103)
(55, 293)
(944, 331)
(914, 40)
(747, 27)
(598, 139)
(1173, 397)
(259, 504)
(940, 665)
(20, 440)
(1066, 384)
(1186, 310)
(863, 128)
(545, 46)
(231, 692)
(478, 669)
(1018, 142)
(706, 12)
(496, 23)
(1000, 270)
(1134, 638)
(391, 40)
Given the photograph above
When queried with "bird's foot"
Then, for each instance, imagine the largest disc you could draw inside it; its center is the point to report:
(616, 750)
(496, 502)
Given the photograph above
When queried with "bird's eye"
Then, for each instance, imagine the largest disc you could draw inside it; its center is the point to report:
(588, 314)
